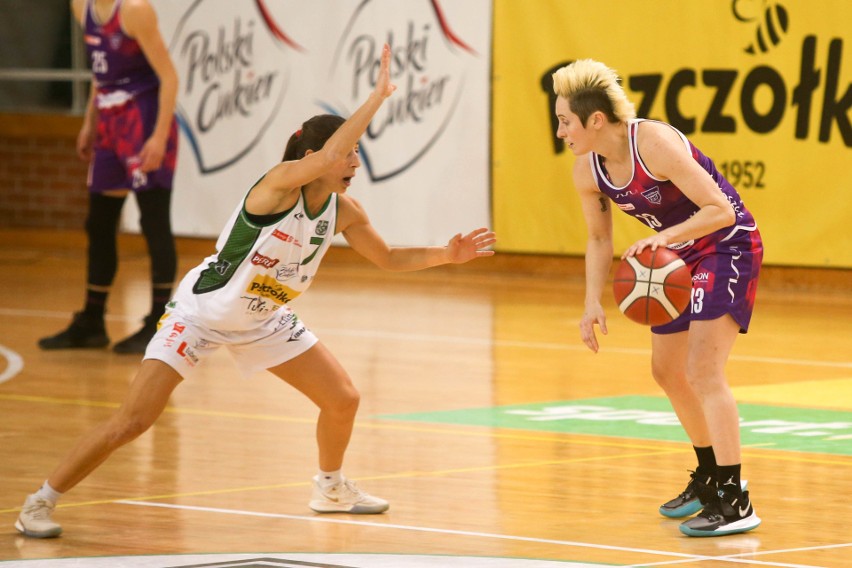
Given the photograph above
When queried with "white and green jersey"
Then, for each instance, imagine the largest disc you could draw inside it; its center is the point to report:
(257, 269)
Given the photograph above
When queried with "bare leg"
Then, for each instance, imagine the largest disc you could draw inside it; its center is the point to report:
(668, 365)
(710, 344)
(320, 377)
(142, 405)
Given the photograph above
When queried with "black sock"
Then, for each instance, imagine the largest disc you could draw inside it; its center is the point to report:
(706, 460)
(160, 296)
(95, 303)
(729, 478)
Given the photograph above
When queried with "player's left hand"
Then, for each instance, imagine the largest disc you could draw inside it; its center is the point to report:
(464, 248)
(151, 155)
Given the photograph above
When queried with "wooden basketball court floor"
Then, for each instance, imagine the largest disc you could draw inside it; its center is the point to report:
(497, 437)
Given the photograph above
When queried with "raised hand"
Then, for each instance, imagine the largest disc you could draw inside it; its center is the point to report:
(384, 87)
(461, 249)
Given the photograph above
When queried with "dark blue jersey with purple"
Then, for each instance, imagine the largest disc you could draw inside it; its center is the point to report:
(724, 264)
(120, 67)
(127, 99)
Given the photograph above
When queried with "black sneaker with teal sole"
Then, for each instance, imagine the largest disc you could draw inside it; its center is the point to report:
(727, 514)
(698, 491)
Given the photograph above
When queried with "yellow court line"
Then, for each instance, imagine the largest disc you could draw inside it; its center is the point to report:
(399, 475)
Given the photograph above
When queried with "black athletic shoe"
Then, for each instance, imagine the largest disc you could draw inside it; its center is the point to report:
(137, 342)
(727, 514)
(85, 332)
(699, 491)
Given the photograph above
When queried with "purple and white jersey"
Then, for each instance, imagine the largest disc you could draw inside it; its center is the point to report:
(118, 63)
(660, 204)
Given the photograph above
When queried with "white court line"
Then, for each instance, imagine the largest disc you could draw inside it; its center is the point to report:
(13, 366)
(759, 553)
(475, 341)
(685, 557)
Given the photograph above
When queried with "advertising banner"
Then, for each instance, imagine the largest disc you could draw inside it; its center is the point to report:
(251, 71)
(761, 86)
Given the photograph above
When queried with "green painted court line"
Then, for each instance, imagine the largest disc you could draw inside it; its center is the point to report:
(652, 418)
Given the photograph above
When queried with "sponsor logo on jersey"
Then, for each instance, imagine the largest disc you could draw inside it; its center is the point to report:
(322, 227)
(281, 235)
(681, 245)
(623, 194)
(188, 354)
(703, 276)
(177, 330)
(264, 261)
(287, 271)
(92, 40)
(626, 206)
(653, 195)
(222, 266)
(265, 287)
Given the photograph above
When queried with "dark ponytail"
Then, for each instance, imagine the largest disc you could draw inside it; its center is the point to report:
(313, 135)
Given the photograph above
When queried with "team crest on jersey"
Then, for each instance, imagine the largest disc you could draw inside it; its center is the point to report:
(322, 227)
(653, 195)
(115, 41)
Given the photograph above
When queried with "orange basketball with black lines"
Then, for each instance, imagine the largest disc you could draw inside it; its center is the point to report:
(653, 287)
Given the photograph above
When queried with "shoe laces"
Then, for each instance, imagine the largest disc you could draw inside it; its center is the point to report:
(712, 511)
(690, 487)
(353, 488)
(39, 509)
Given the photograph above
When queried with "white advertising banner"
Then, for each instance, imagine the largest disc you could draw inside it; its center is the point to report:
(251, 71)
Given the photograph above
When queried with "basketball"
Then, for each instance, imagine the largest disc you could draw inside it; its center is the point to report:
(653, 287)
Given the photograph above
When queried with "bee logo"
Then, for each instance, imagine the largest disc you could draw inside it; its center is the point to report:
(771, 20)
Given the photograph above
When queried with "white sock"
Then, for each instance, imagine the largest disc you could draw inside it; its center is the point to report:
(329, 478)
(49, 493)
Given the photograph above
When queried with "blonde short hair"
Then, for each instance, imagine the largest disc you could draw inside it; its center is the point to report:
(591, 86)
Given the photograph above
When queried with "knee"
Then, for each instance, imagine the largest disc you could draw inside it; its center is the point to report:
(346, 403)
(666, 376)
(124, 429)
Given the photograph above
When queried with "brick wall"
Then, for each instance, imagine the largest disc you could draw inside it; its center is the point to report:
(42, 182)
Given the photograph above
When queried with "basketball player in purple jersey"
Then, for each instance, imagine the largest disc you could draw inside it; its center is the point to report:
(650, 170)
(129, 137)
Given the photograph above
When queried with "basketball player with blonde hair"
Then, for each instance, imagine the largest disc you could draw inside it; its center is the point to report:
(651, 171)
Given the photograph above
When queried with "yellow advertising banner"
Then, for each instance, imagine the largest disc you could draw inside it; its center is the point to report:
(763, 87)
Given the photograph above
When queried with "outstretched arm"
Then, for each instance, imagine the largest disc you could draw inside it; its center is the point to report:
(289, 175)
(363, 238)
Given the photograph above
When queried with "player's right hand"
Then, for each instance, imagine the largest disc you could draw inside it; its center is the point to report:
(384, 88)
(85, 143)
(591, 316)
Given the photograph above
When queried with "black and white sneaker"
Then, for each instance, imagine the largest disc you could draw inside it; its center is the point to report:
(698, 492)
(727, 514)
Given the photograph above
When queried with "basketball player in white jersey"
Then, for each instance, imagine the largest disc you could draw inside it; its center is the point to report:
(239, 298)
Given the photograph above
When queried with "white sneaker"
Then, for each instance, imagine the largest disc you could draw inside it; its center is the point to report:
(35, 520)
(345, 497)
